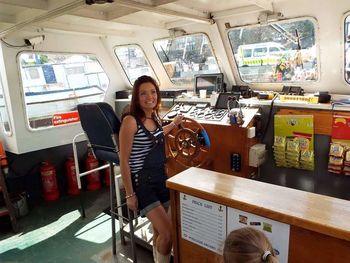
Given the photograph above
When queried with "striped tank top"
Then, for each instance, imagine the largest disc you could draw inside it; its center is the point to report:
(141, 147)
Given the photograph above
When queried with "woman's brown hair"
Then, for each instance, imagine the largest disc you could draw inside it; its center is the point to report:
(248, 245)
(135, 108)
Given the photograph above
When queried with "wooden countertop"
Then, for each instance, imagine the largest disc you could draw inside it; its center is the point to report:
(319, 213)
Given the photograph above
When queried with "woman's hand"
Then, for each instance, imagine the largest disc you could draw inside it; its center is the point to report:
(178, 119)
(132, 203)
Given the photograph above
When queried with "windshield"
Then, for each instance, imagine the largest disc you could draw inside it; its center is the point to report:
(277, 52)
(185, 56)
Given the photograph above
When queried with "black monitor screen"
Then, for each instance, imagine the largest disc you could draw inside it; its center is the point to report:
(221, 102)
(209, 82)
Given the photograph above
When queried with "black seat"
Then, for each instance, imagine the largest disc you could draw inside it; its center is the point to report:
(101, 127)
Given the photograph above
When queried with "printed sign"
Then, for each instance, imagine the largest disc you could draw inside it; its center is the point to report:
(292, 126)
(203, 222)
(276, 232)
(65, 118)
(341, 128)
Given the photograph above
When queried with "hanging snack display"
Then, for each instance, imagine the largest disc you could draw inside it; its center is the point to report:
(279, 149)
(293, 142)
(336, 158)
(347, 163)
(339, 150)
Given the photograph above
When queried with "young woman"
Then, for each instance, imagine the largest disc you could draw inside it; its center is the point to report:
(248, 245)
(142, 159)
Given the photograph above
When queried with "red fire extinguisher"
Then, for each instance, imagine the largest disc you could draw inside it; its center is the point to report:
(71, 176)
(48, 177)
(93, 179)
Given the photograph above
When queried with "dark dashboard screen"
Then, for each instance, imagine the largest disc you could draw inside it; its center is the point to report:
(209, 82)
(221, 102)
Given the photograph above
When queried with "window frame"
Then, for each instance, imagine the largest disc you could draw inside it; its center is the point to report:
(25, 111)
(284, 20)
(184, 35)
(144, 53)
(346, 15)
(10, 132)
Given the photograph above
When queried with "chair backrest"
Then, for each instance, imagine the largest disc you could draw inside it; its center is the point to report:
(101, 126)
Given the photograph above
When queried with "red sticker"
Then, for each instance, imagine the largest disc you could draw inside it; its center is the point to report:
(65, 118)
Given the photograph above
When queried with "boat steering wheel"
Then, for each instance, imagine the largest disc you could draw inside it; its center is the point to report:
(188, 144)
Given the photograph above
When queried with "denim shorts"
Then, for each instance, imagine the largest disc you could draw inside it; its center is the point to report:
(150, 189)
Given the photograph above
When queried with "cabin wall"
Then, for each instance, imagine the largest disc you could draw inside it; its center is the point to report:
(217, 41)
(329, 17)
(143, 37)
(27, 149)
(329, 43)
(24, 170)
(23, 139)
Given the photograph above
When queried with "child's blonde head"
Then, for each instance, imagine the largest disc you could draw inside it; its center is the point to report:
(248, 245)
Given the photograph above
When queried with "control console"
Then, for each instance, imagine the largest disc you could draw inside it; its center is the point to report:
(196, 111)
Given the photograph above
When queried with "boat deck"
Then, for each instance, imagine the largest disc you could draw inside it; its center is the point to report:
(55, 232)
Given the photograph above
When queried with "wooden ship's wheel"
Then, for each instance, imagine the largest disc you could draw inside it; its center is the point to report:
(188, 144)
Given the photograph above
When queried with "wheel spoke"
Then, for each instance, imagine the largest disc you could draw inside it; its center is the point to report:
(187, 136)
(186, 152)
(193, 144)
(180, 147)
(204, 150)
(171, 136)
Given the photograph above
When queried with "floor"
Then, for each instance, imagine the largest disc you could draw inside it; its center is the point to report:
(55, 232)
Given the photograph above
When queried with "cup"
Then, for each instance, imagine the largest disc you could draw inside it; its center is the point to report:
(203, 93)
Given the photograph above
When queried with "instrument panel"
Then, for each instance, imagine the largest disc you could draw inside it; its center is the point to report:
(198, 111)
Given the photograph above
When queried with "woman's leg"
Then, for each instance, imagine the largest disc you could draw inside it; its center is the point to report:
(162, 226)
(154, 245)
(156, 234)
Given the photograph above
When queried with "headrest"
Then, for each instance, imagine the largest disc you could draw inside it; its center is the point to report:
(110, 115)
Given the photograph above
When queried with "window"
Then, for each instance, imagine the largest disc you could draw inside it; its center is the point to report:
(4, 117)
(185, 56)
(260, 52)
(283, 51)
(347, 49)
(54, 84)
(247, 53)
(134, 62)
(274, 49)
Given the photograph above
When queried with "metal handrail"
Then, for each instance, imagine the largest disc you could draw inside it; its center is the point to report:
(76, 163)
(77, 170)
(119, 206)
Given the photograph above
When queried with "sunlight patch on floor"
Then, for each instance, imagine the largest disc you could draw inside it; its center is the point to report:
(23, 241)
(126, 257)
(106, 256)
(98, 230)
